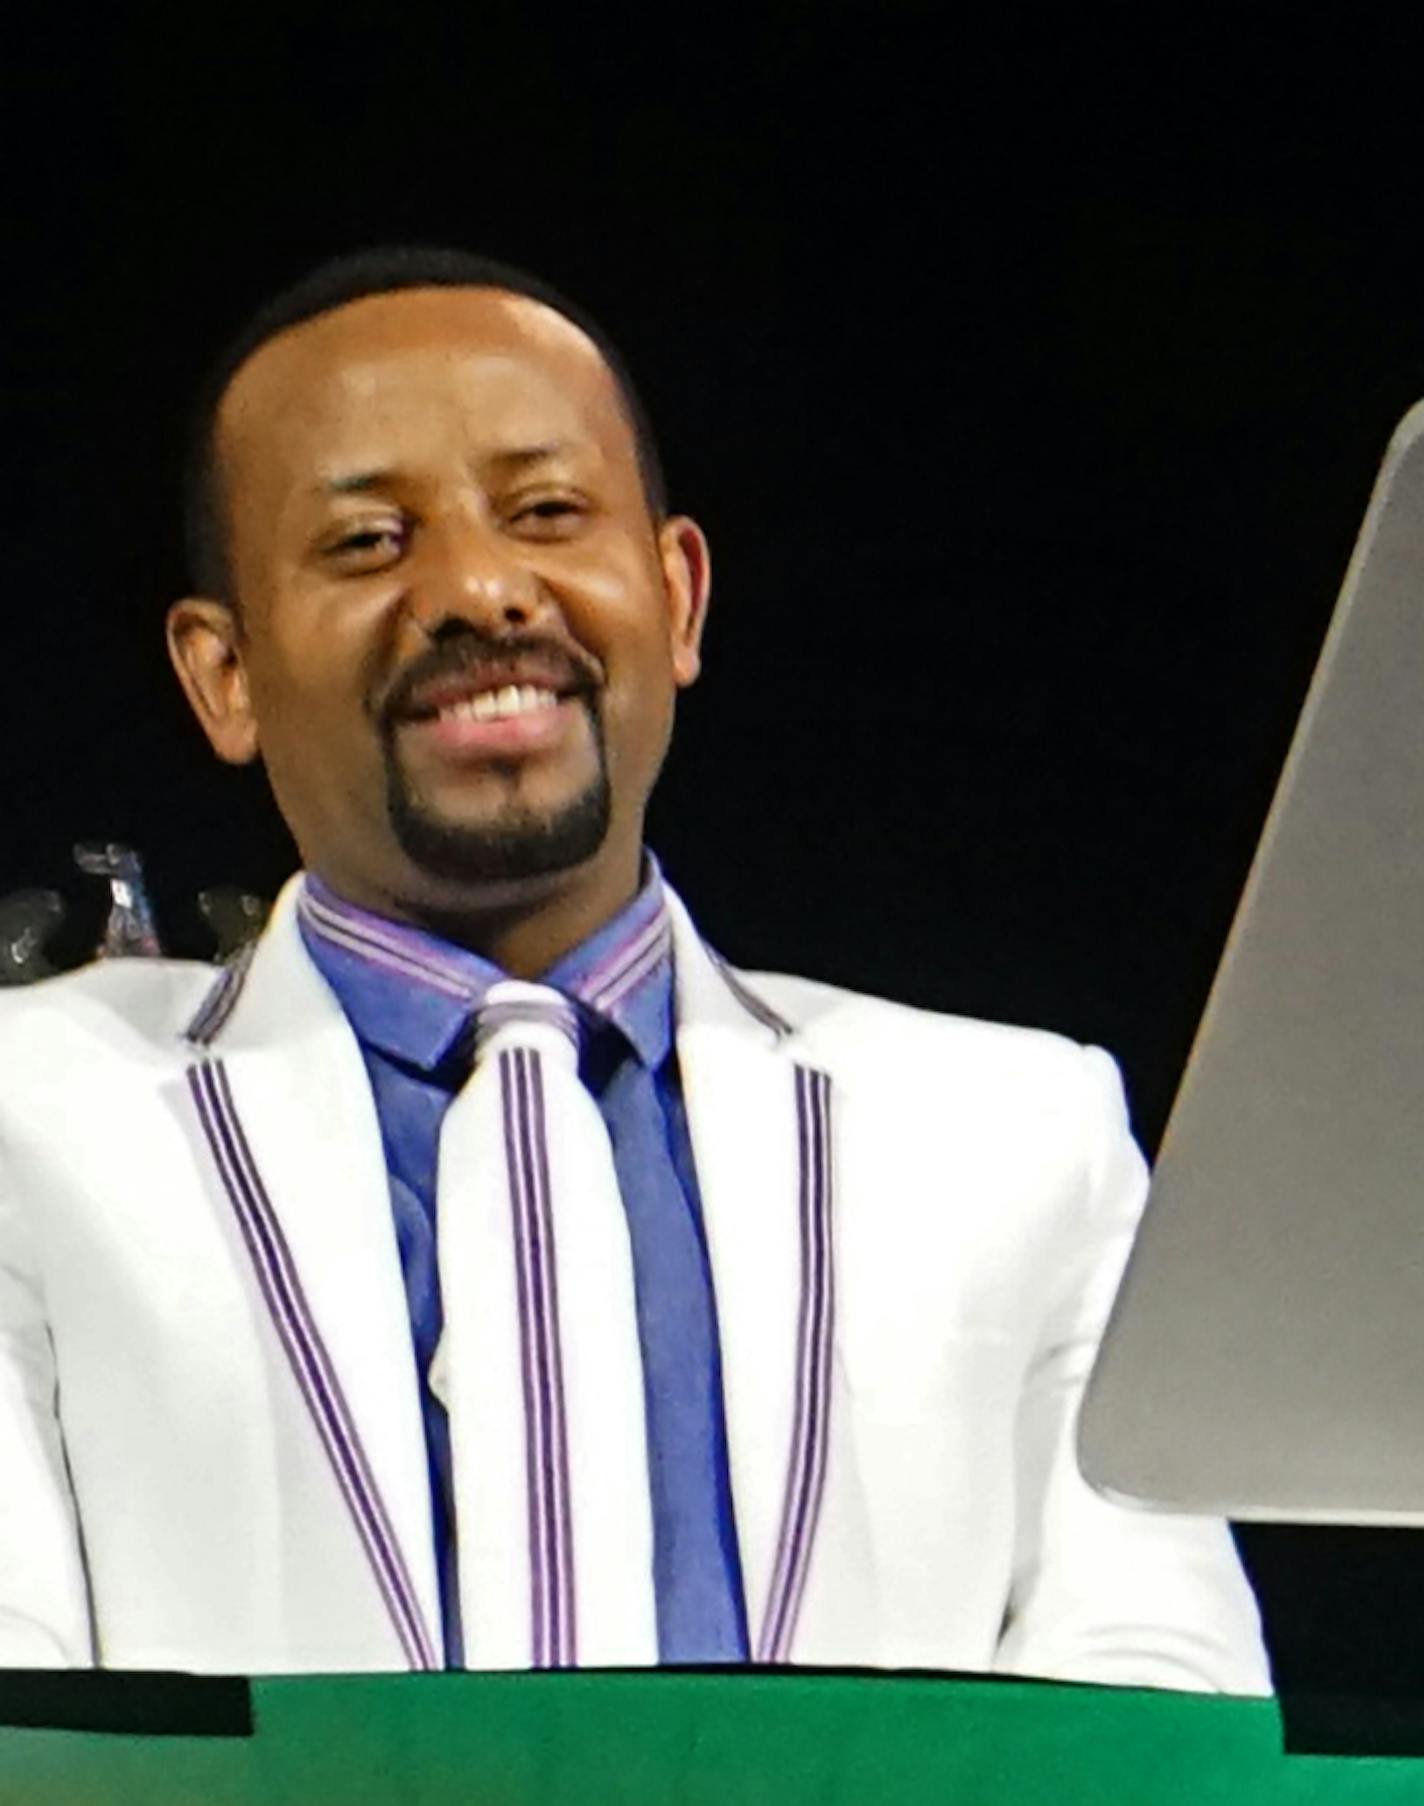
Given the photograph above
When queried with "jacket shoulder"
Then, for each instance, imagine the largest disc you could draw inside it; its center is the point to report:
(898, 1051)
(829, 1013)
(117, 1002)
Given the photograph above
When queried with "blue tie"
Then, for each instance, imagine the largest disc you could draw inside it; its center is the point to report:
(696, 1571)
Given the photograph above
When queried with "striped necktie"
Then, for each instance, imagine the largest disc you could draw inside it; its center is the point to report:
(539, 1364)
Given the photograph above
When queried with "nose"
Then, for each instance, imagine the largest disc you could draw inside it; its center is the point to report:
(471, 578)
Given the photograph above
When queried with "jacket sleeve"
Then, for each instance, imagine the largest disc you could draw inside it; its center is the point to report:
(44, 1614)
(1103, 1592)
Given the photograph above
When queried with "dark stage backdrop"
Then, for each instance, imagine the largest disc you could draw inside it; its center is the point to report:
(1030, 382)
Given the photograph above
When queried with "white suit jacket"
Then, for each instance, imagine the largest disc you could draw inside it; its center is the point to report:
(211, 1445)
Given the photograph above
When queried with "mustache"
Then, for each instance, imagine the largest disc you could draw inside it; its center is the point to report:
(473, 653)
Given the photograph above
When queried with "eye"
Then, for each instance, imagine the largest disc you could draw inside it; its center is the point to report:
(368, 547)
(548, 516)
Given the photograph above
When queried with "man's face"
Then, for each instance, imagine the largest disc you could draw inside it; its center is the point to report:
(460, 632)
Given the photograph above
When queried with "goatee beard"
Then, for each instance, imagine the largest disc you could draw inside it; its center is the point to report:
(520, 844)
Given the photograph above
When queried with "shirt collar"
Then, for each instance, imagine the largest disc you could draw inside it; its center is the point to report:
(412, 994)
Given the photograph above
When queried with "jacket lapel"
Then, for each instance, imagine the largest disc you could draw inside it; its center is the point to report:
(281, 1094)
(760, 1126)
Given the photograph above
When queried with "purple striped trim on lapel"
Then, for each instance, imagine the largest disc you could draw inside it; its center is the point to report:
(311, 1364)
(551, 1553)
(750, 1002)
(806, 1470)
(218, 1000)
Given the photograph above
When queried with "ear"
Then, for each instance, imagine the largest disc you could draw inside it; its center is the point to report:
(205, 643)
(687, 576)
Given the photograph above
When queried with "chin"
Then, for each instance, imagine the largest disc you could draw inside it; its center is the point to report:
(518, 844)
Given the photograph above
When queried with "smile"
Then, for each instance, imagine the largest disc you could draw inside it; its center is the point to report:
(499, 705)
(517, 720)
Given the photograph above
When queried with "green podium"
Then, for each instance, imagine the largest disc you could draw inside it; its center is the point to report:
(658, 1739)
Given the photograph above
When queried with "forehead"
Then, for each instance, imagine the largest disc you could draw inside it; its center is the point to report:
(406, 376)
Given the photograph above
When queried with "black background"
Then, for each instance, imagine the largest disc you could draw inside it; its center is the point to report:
(1029, 378)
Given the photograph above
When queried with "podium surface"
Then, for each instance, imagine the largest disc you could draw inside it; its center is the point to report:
(668, 1739)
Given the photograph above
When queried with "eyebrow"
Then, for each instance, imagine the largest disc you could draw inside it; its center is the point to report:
(355, 482)
(361, 482)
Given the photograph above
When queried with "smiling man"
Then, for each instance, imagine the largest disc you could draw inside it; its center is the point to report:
(480, 1271)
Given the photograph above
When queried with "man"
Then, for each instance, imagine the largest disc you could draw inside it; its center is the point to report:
(368, 1308)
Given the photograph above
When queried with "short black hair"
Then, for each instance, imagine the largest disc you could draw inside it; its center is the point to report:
(381, 270)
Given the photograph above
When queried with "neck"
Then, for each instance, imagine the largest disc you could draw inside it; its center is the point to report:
(523, 927)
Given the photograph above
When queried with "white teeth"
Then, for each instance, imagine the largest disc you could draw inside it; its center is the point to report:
(498, 705)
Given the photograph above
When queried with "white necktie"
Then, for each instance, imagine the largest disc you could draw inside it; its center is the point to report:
(539, 1363)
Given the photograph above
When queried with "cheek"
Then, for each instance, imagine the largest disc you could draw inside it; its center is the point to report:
(291, 706)
(619, 608)
(313, 730)
(617, 611)
(638, 718)
(314, 655)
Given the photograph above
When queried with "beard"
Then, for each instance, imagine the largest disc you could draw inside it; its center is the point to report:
(518, 843)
